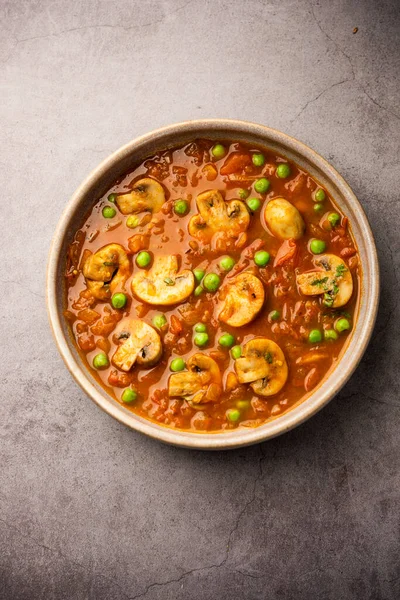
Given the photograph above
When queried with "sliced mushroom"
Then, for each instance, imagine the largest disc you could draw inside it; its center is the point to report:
(200, 384)
(332, 278)
(263, 365)
(162, 284)
(106, 270)
(283, 219)
(216, 215)
(140, 344)
(146, 195)
(243, 300)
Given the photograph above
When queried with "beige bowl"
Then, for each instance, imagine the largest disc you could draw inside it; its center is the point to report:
(135, 152)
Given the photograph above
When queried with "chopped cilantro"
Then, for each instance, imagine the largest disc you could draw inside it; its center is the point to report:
(169, 281)
(340, 270)
(319, 281)
(328, 300)
(268, 358)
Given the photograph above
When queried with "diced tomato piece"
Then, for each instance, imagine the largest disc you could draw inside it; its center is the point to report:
(311, 379)
(88, 315)
(210, 172)
(235, 163)
(84, 301)
(103, 344)
(119, 379)
(347, 252)
(176, 326)
(138, 242)
(286, 252)
(86, 342)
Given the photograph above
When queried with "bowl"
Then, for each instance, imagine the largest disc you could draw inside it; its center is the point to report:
(101, 178)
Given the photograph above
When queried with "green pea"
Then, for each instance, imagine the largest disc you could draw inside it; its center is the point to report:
(262, 185)
(261, 258)
(333, 219)
(318, 207)
(211, 282)
(108, 212)
(181, 207)
(330, 334)
(159, 321)
(233, 415)
(258, 160)
(198, 274)
(218, 151)
(200, 339)
(253, 204)
(227, 263)
(236, 352)
(119, 300)
(282, 171)
(198, 290)
(132, 221)
(243, 404)
(129, 396)
(314, 336)
(112, 197)
(317, 246)
(243, 194)
(101, 361)
(342, 325)
(227, 340)
(178, 364)
(143, 259)
(319, 195)
(274, 315)
(200, 327)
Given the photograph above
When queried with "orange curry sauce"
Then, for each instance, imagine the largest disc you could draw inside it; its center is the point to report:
(184, 173)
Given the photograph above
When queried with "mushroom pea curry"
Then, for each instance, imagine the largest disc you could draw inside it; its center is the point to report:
(213, 287)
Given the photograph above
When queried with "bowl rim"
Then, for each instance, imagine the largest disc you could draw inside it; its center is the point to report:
(238, 437)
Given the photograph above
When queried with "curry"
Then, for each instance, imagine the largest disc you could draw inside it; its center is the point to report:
(212, 287)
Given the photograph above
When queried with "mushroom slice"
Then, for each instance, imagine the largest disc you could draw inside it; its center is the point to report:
(263, 365)
(162, 284)
(283, 219)
(106, 270)
(332, 278)
(200, 384)
(243, 300)
(216, 215)
(141, 344)
(146, 195)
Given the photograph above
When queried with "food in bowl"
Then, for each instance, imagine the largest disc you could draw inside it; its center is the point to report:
(212, 287)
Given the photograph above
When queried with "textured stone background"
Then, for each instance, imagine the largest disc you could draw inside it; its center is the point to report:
(90, 510)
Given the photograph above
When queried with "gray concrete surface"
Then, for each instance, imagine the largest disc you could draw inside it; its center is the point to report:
(91, 510)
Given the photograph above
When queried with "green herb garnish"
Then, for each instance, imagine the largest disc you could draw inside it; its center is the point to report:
(169, 281)
(328, 300)
(319, 281)
(268, 358)
(340, 270)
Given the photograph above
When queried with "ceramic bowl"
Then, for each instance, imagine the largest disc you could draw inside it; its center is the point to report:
(124, 160)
